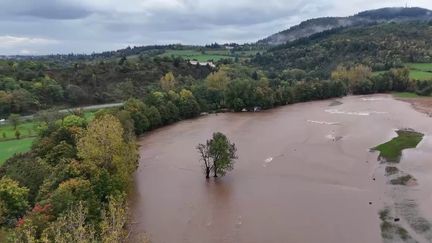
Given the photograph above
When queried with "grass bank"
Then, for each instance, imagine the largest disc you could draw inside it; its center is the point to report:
(418, 71)
(391, 151)
(406, 95)
(199, 56)
(27, 129)
(11, 147)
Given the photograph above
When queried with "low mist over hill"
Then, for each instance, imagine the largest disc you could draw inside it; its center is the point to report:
(313, 26)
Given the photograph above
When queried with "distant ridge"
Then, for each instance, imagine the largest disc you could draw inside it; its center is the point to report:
(313, 26)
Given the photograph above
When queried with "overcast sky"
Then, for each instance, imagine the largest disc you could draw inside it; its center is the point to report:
(85, 26)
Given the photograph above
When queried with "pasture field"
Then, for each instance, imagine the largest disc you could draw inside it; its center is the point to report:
(427, 67)
(11, 147)
(199, 56)
(420, 75)
(418, 71)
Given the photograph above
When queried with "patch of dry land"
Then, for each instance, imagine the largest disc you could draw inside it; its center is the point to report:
(422, 104)
(305, 173)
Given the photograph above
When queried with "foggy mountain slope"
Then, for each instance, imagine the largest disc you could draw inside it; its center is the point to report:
(313, 26)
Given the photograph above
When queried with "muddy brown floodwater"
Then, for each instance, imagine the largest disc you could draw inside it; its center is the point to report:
(304, 174)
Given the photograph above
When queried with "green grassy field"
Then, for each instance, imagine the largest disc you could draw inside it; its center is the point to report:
(420, 75)
(420, 66)
(197, 55)
(378, 73)
(27, 129)
(418, 71)
(11, 147)
(406, 95)
(391, 151)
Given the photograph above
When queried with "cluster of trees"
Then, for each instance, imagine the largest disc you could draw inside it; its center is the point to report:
(237, 87)
(423, 87)
(71, 186)
(162, 108)
(360, 80)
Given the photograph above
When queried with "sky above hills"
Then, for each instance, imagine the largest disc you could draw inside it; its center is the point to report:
(86, 26)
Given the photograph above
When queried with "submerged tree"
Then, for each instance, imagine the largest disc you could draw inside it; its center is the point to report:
(204, 150)
(218, 154)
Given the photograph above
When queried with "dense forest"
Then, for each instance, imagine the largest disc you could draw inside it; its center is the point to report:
(77, 174)
(29, 86)
(380, 47)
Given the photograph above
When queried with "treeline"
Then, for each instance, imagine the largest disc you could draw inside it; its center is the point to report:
(241, 88)
(235, 87)
(360, 79)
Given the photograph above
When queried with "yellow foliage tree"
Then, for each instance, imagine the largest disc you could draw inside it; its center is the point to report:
(217, 80)
(352, 76)
(103, 148)
(168, 82)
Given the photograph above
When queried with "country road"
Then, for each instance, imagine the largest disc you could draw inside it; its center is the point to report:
(84, 108)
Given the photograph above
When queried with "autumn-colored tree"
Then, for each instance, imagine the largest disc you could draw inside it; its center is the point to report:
(71, 192)
(352, 76)
(107, 155)
(71, 227)
(217, 80)
(168, 82)
(114, 220)
(13, 200)
(188, 105)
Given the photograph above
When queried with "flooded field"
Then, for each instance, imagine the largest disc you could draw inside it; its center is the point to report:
(305, 173)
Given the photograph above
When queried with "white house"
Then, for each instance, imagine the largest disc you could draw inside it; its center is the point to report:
(211, 64)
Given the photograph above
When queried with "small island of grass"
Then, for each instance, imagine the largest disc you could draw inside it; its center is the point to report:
(391, 151)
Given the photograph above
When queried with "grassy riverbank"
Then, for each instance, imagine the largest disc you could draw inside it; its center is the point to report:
(391, 151)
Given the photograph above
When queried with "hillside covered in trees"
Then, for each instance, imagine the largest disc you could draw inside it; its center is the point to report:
(317, 25)
(381, 47)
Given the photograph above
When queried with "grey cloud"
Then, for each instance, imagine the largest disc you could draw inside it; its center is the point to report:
(57, 11)
(48, 9)
(97, 25)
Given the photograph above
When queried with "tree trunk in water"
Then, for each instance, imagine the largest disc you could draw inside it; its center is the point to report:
(207, 172)
(215, 171)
